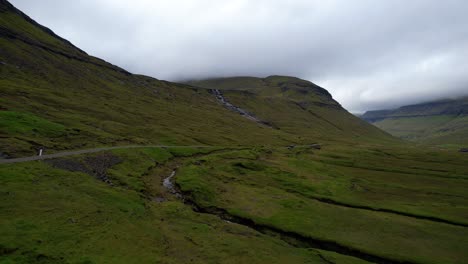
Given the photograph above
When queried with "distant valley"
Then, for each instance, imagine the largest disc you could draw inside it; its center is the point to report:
(437, 123)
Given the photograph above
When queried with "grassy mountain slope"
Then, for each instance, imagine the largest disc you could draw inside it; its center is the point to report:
(57, 96)
(363, 197)
(295, 106)
(439, 122)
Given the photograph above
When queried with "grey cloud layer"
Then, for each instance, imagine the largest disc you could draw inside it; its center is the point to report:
(368, 54)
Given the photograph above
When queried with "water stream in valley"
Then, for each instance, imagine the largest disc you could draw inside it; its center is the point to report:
(219, 95)
(292, 238)
(169, 185)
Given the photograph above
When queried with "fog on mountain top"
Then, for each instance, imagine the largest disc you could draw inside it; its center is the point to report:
(368, 54)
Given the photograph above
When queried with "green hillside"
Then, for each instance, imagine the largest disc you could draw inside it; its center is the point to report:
(295, 106)
(439, 123)
(63, 98)
(55, 95)
(232, 170)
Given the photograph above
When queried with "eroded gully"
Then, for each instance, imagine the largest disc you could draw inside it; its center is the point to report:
(291, 238)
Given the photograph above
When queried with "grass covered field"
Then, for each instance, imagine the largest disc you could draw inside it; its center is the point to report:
(442, 123)
(433, 130)
(62, 210)
(373, 201)
(54, 215)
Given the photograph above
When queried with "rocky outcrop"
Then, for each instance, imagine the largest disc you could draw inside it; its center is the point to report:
(96, 166)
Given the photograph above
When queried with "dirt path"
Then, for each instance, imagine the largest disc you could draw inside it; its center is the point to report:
(84, 151)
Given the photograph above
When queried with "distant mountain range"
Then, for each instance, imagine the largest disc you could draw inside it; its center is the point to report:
(437, 122)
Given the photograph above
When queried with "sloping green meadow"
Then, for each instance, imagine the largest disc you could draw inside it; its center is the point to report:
(54, 213)
(442, 123)
(12, 123)
(433, 130)
(371, 201)
(51, 215)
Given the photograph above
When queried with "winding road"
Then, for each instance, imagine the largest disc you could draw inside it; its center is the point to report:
(84, 151)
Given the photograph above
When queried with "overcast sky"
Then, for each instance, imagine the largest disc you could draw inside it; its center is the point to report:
(369, 54)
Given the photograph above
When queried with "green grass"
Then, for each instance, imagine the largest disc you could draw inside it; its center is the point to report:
(16, 123)
(55, 216)
(434, 130)
(280, 188)
(412, 127)
(297, 107)
(437, 123)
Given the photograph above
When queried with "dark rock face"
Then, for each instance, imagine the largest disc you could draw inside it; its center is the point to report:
(100, 163)
(304, 87)
(95, 166)
(69, 165)
(315, 146)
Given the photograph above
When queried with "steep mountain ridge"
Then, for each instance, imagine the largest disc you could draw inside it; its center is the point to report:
(18, 26)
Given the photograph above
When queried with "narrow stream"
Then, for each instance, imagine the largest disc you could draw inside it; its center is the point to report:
(168, 184)
(219, 95)
(292, 238)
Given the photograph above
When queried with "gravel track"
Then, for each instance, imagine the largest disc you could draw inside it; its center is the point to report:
(84, 151)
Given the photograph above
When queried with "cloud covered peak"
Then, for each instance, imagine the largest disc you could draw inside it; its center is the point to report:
(368, 54)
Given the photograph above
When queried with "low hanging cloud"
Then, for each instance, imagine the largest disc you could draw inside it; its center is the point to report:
(368, 54)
